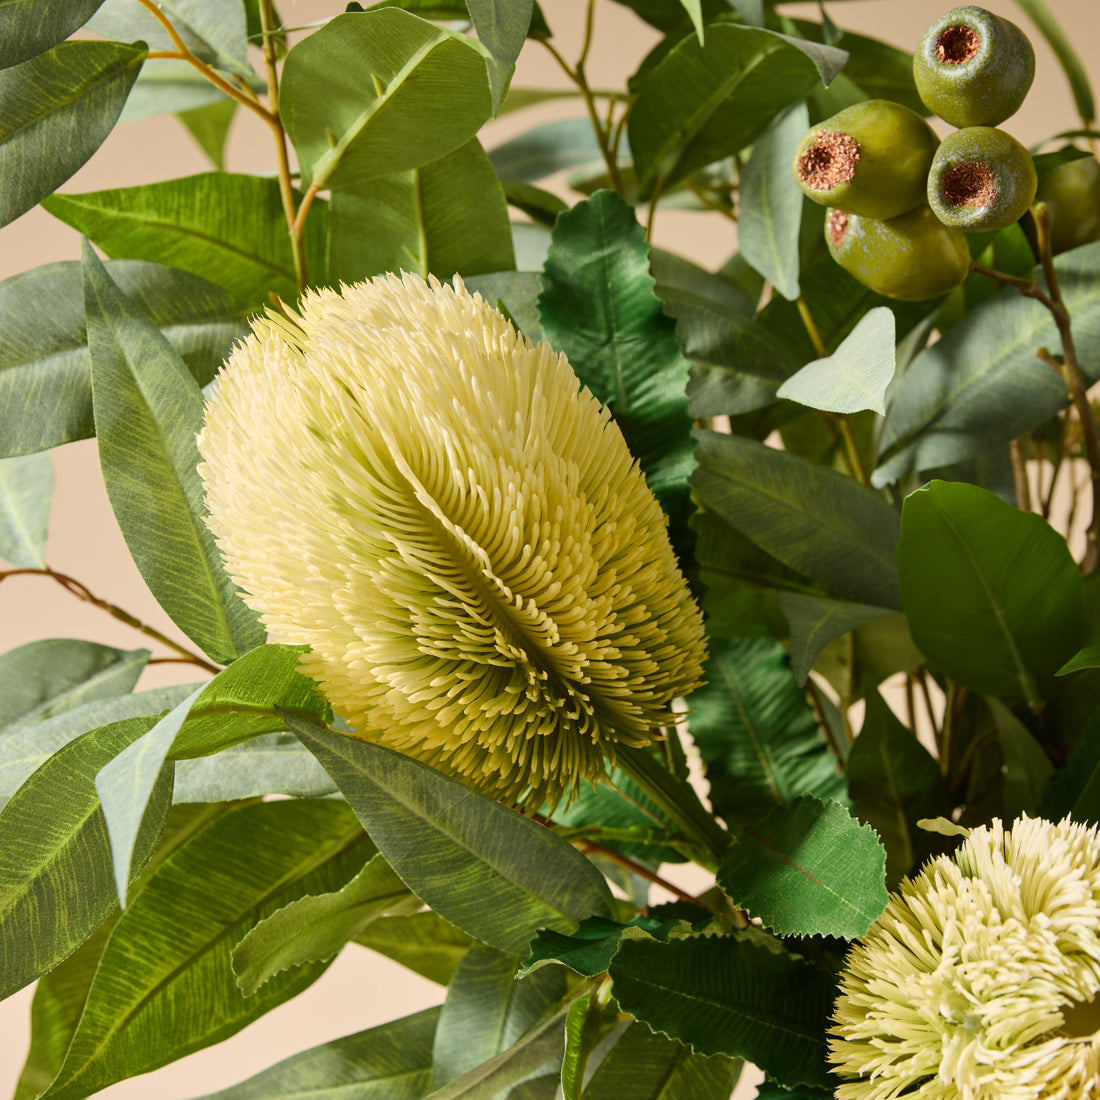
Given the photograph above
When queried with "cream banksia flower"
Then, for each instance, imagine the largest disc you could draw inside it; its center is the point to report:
(456, 528)
(979, 980)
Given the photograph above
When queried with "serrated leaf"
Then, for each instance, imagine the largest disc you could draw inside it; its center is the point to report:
(496, 875)
(148, 410)
(424, 943)
(56, 109)
(380, 92)
(808, 869)
(317, 927)
(31, 27)
(993, 596)
(26, 486)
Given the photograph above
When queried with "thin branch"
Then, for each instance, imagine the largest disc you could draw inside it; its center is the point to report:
(593, 847)
(1019, 476)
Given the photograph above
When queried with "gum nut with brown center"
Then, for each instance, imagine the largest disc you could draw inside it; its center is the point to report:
(871, 158)
(1072, 193)
(981, 179)
(911, 257)
(973, 68)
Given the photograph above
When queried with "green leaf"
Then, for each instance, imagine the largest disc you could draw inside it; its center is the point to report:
(148, 410)
(56, 885)
(501, 27)
(993, 595)
(447, 217)
(371, 94)
(1027, 769)
(808, 869)
(31, 27)
(145, 1007)
(855, 376)
(733, 995)
(760, 743)
(545, 149)
(771, 203)
(812, 519)
(590, 950)
(493, 873)
(1075, 790)
(44, 344)
(26, 486)
(169, 87)
(55, 111)
(646, 1066)
(702, 103)
(390, 1062)
(1063, 49)
(425, 943)
(1089, 657)
(582, 1032)
(317, 927)
(226, 228)
(209, 126)
(981, 384)
(816, 621)
(893, 783)
(599, 307)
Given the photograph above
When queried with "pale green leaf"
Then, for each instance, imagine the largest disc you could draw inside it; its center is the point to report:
(424, 943)
(501, 27)
(26, 486)
(545, 149)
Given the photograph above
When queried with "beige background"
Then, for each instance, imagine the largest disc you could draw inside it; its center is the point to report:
(361, 990)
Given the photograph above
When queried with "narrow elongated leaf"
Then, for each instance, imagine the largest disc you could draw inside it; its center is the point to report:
(501, 27)
(55, 111)
(812, 519)
(1063, 49)
(702, 103)
(1075, 790)
(380, 92)
(148, 410)
(495, 874)
(993, 596)
(545, 149)
(44, 344)
(447, 217)
(31, 27)
(142, 1009)
(317, 927)
(390, 1062)
(229, 229)
(425, 943)
(1088, 657)
(26, 486)
(760, 743)
(771, 203)
(815, 621)
(733, 995)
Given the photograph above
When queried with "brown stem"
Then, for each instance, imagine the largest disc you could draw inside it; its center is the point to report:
(1019, 476)
(76, 588)
(819, 711)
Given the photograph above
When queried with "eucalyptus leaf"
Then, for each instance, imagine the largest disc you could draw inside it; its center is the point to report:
(31, 27)
(501, 27)
(209, 126)
(545, 149)
(26, 486)
(169, 87)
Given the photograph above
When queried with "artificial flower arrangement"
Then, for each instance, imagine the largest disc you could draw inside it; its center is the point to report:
(476, 555)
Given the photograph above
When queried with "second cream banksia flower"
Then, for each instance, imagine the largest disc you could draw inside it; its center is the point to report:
(456, 528)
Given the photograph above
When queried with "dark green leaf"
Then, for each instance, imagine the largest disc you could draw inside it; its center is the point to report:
(734, 995)
(143, 1009)
(815, 621)
(55, 111)
(390, 1062)
(1075, 790)
(26, 486)
(43, 344)
(1089, 657)
(545, 149)
(148, 410)
(31, 27)
(485, 868)
(367, 95)
(425, 943)
(590, 950)
(227, 228)
(812, 519)
(993, 596)
(760, 743)
(501, 27)
(1027, 769)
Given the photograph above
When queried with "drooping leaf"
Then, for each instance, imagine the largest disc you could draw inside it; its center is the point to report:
(26, 486)
(43, 342)
(731, 995)
(1075, 790)
(993, 596)
(142, 1010)
(760, 743)
(55, 111)
(447, 217)
(771, 203)
(425, 943)
(545, 149)
(812, 519)
(1027, 769)
(701, 103)
(590, 950)
(815, 621)
(496, 875)
(501, 27)
(229, 229)
(31, 27)
(209, 126)
(389, 1062)
(148, 410)
(380, 92)
(582, 1020)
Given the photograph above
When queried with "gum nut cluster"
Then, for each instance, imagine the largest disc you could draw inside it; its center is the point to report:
(900, 200)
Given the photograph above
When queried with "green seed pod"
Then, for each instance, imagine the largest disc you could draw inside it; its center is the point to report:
(871, 159)
(981, 179)
(1072, 192)
(911, 257)
(973, 68)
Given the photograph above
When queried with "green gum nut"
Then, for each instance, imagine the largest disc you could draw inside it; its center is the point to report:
(1072, 193)
(871, 158)
(981, 179)
(973, 68)
(911, 257)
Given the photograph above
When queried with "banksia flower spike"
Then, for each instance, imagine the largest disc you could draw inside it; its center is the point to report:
(456, 528)
(979, 981)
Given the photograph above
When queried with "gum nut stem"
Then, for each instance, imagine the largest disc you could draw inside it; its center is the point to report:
(981, 179)
(973, 68)
(871, 158)
(910, 257)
